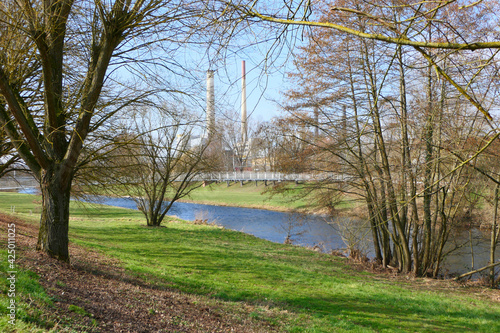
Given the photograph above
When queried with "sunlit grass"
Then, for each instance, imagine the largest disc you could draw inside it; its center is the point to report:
(259, 195)
(31, 303)
(249, 195)
(305, 290)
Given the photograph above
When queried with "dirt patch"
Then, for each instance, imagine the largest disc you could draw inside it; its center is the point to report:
(98, 294)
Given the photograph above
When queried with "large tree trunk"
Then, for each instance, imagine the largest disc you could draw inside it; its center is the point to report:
(54, 221)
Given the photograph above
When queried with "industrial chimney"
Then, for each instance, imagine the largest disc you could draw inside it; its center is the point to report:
(210, 104)
(243, 104)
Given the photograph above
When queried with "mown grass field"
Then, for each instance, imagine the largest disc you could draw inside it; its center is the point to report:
(293, 288)
(260, 196)
(248, 195)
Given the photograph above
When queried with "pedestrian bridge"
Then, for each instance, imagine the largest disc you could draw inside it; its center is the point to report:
(244, 176)
(9, 183)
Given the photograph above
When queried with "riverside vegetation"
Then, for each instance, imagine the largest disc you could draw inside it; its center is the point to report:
(263, 285)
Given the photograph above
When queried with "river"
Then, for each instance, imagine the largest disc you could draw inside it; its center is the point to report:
(309, 230)
(306, 230)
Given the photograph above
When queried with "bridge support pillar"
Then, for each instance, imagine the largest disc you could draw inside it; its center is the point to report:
(256, 183)
(241, 182)
(227, 183)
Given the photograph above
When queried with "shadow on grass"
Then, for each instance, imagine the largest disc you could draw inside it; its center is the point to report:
(237, 267)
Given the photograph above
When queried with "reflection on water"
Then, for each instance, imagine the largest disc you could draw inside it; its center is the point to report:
(469, 247)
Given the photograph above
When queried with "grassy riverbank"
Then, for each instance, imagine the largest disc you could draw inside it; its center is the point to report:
(259, 196)
(247, 195)
(276, 287)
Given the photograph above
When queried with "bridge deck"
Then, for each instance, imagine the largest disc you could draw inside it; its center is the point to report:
(269, 176)
(9, 183)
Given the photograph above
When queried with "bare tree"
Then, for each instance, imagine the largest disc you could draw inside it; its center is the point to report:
(239, 150)
(163, 162)
(379, 114)
(8, 157)
(82, 48)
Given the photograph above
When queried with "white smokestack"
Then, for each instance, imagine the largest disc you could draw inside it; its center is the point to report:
(243, 103)
(210, 103)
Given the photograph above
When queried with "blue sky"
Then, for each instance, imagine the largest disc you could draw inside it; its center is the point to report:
(266, 79)
(263, 89)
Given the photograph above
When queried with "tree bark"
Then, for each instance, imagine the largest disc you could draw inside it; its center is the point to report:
(428, 138)
(54, 222)
(493, 240)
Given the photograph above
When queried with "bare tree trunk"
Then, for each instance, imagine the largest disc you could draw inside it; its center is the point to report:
(428, 138)
(382, 255)
(53, 233)
(477, 271)
(382, 216)
(493, 241)
(407, 170)
(442, 235)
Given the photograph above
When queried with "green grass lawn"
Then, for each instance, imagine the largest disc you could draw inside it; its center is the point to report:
(27, 315)
(302, 290)
(248, 195)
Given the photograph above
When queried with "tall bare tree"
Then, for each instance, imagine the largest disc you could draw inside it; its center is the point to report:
(69, 53)
(391, 127)
(162, 163)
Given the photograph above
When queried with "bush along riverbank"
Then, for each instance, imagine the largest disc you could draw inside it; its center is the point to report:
(197, 278)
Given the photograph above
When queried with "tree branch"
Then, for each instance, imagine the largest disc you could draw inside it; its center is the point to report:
(401, 40)
(476, 271)
(30, 133)
(453, 83)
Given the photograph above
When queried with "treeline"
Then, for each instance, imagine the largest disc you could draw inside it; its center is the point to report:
(421, 156)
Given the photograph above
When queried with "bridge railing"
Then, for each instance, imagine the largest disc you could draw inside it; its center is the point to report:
(12, 183)
(20, 182)
(270, 176)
